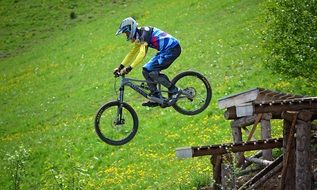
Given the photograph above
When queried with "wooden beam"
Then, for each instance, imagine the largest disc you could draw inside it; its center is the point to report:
(304, 115)
(244, 121)
(259, 161)
(230, 147)
(256, 155)
(289, 106)
(231, 113)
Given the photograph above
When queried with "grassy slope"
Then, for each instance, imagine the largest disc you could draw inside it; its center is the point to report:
(51, 90)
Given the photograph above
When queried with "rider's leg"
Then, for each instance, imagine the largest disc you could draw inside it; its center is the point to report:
(161, 61)
(164, 60)
(152, 84)
(164, 80)
(153, 88)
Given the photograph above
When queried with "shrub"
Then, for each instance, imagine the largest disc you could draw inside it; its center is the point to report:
(290, 39)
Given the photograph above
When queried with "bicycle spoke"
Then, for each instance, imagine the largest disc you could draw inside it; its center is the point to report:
(196, 93)
(193, 84)
(114, 128)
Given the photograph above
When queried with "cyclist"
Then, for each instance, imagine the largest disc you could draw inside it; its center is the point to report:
(168, 50)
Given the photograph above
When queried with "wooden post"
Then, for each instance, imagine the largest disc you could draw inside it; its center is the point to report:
(288, 174)
(216, 161)
(237, 138)
(266, 134)
(303, 154)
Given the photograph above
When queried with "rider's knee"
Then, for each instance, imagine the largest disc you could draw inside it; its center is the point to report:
(146, 73)
(154, 75)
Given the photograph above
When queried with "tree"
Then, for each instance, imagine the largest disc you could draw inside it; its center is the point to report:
(290, 39)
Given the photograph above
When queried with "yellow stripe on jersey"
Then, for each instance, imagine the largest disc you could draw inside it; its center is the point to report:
(138, 52)
(131, 55)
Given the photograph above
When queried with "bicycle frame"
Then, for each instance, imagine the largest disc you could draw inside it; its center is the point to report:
(129, 82)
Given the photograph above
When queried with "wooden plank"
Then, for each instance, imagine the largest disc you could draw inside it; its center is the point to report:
(184, 152)
(239, 98)
(244, 110)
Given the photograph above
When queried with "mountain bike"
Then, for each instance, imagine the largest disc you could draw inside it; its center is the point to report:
(116, 122)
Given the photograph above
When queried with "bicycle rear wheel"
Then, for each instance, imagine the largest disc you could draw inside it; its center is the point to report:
(196, 93)
(115, 123)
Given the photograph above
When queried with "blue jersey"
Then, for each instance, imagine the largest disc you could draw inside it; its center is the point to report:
(157, 38)
(167, 46)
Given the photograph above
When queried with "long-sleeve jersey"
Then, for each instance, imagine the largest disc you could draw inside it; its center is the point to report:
(148, 37)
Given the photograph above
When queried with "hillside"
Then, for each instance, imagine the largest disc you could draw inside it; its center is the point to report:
(56, 71)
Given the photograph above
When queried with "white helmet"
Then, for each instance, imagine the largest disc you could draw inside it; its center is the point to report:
(128, 25)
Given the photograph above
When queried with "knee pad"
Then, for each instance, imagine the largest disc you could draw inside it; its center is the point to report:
(154, 75)
(146, 74)
(160, 78)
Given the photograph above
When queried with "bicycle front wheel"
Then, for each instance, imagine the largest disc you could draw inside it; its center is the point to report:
(116, 123)
(196, 93)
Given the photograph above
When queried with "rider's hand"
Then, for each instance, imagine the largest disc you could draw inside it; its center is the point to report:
(117, 70)
(126, 70)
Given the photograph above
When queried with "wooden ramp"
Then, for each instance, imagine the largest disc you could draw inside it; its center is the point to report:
(258, 106)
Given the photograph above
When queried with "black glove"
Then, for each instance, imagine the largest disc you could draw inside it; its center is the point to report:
(126, 70)
(117, 70)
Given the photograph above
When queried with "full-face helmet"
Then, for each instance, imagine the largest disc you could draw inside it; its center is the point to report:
(128, 26)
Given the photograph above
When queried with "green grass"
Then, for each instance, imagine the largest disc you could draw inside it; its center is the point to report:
(56, 72)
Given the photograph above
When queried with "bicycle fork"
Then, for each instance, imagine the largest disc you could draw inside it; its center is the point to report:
(120, 119)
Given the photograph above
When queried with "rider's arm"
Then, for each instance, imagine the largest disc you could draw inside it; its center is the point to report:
(141, 55)
(128, 58)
